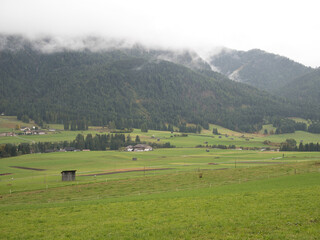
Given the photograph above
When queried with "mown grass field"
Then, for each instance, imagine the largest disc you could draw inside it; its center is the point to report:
(262, 202)
(248, 194)
(97, 166)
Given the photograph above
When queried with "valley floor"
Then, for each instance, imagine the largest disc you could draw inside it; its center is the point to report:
(270, 201)
(177, 193)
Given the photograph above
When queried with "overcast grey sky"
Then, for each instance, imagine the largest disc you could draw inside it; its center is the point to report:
(289, 28)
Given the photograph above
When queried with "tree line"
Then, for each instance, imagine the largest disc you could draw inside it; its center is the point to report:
(285, 125)
(99, 142)
(291, 145)
(183, 128)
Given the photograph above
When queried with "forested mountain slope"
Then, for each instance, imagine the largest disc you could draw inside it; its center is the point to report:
(130, 89)
(304, 89)
(258, 68)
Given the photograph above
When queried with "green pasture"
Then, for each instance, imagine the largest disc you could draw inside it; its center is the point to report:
(192, 140)
(248, 140)
(57, 136)
(273, 201)
(94, 166)
(9, 123)
(301, 120)
(306, 137)
(178, 193)
(223, 130)
(269, 128)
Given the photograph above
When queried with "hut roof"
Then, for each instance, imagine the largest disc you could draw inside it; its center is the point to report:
(65, 171)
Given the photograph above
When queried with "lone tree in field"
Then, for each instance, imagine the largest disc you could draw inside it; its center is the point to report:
(137, 139)
(215, 131)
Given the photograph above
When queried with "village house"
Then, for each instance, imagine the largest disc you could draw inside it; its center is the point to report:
(139, 148)
(24, 129)
(142, 148)
(129, 148)
(39, 132)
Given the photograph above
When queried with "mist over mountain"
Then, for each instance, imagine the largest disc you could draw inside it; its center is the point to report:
(258, 68)
(49, 44)
(128, 84)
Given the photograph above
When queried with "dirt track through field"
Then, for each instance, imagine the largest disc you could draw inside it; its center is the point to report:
(27, 168)
(128, 170)
(4, 174)
(254, 162)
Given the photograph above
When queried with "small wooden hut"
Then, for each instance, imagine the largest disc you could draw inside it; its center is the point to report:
(68, 175)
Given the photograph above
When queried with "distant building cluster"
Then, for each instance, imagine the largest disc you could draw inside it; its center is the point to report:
(24, 131)
(31, 131)
(71, 149)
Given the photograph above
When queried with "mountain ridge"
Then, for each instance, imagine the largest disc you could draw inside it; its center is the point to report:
(266, 71)
(130, 86)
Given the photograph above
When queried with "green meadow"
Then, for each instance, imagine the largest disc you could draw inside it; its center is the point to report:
(177, 193)
(227, 137)
(240, 195)
(275, 201)
(58, 136)
(192, 140)
(103, 166)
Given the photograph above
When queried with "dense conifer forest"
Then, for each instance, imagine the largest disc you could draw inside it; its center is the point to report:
(305, 88)
(130, 88)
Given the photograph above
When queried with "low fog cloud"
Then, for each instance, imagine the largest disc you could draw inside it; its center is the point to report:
(201, 25)
(93, 43)
(51, 43)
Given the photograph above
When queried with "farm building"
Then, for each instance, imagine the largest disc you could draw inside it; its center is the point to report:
(142, 148)
(139, 148)
(129, 148)
(68, 175)
(37, 132)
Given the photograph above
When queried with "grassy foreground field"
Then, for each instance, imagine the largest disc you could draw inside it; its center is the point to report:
(178, 193)
(264, 197)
